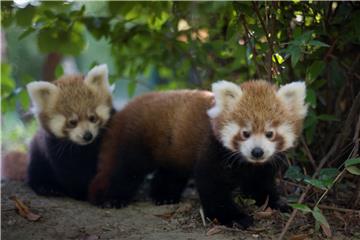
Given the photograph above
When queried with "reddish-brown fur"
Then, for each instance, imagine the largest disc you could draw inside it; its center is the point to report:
(149, 118)
(174, 127)
(259, 105)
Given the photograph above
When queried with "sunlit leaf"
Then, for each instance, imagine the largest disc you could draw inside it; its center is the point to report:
(277, 58)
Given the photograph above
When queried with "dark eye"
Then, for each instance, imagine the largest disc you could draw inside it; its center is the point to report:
(72, 123)
(246, 134)
(269, 134)
(93, 119)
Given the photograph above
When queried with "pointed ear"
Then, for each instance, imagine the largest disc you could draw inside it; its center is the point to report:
(97, 78)
(226, 94)
(43, 95)
(293, 97)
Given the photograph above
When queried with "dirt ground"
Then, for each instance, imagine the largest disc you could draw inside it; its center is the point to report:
(64, 218)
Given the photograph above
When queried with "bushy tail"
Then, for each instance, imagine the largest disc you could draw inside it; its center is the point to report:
(14, 166)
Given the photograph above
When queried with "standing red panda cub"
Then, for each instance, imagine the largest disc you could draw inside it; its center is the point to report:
(72, 112)
(178, 133)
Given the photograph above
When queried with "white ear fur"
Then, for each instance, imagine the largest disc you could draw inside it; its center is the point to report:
(97, 78)
(293, 96)
(43, 95)
(226, 93)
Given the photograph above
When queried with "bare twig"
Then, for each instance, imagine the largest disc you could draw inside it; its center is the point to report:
(356, 140)
(347, 210)
(269, 38)
(356, 136)
(308, 153)
(293, 184)
(347, 130)
(202, 217)
(247, 34)
(293, 214)
(270, 54)
(331, 49)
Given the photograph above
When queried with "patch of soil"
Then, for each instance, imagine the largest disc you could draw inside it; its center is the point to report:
(65, 218)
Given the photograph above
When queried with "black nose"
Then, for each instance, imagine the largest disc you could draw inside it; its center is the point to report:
(257, 152)
(87, 136)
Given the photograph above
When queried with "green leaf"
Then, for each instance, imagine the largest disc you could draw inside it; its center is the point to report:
(27, 32)
(70, 42)
(295, 54)
(131, 88)
(59, 71)
(319, 217)
(325, 180)
(327, 117)
(317, 183)
(24, 98)
(311, 97)
(7, 83)
(294, 173)
(302, 207)
(328, 173)
(317, 43)
(350, 165)
(24, 16)
(314, 71)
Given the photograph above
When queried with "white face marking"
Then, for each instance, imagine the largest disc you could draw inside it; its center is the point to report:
(226, 94)
(257, 140)
(76, 134)
(286, 131)
(227, 134)
(56, 125)
(103, 112)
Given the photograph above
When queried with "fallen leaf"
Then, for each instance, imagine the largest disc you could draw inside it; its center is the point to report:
(166, 216)
(24, 211)
(302, 236)
(265, 214)
(184, 208)
(326, 229)
(213, 231)
(263, 207)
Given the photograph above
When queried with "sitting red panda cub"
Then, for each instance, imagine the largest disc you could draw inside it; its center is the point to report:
(73, 112)
(178, 133)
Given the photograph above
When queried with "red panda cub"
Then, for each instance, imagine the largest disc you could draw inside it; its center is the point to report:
(73, 112)
(227, 139)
